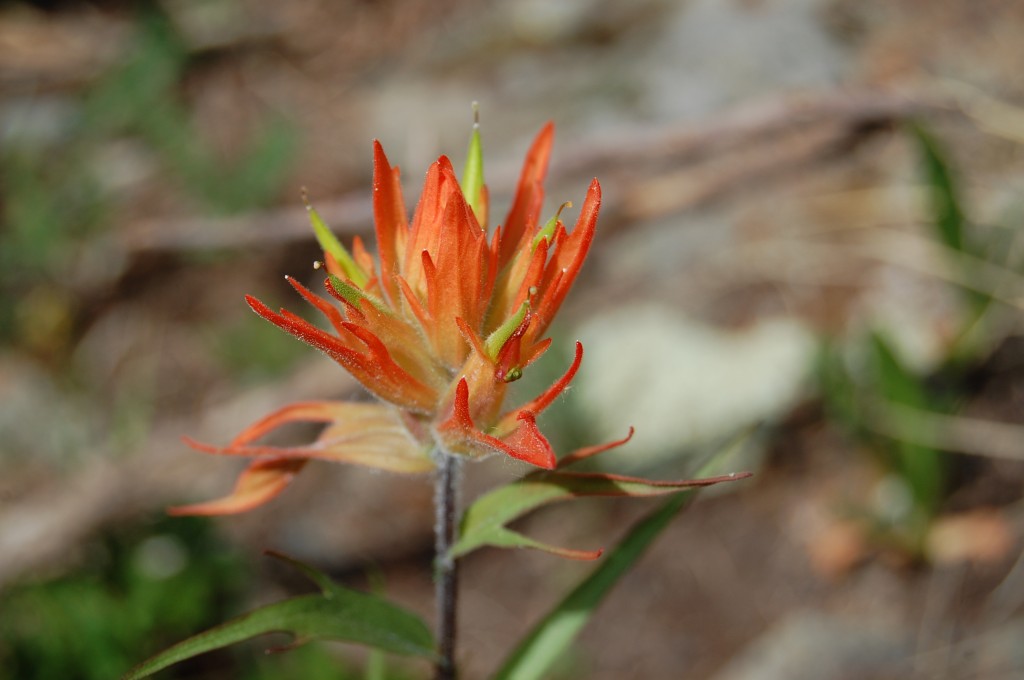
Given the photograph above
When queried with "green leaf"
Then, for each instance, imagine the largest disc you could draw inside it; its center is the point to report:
(947, 212)
(484, 522)
(922, 468)
(552, 636)
(949, 216)
(337, 613)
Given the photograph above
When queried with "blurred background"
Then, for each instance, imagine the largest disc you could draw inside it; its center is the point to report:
(810, 236)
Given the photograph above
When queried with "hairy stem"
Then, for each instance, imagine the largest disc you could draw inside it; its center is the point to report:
(446, 574)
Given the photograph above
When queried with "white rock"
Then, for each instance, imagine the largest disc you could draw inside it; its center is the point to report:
(682, 383)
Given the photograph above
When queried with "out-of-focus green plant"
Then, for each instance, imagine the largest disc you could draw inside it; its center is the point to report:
(140, 98)
(48, 210)
(918, 473)
(56, 203)
(138, 589)
(872, 392)
(134, 590)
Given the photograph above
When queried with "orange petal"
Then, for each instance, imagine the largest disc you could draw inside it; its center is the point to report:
(525, 443)
(566, 260)
(373, 435)
(325, 307)
(581, 454)
(377, 371)
(529, 199)
(414, 304)
(549, 395)
(515, 282)
(303, 411)
(389, 220)
(260, 482)
(470, 335)
(307, 332)
(392, 382)
(427, 222)
(536, 351)
(361, 255)
(457, 289)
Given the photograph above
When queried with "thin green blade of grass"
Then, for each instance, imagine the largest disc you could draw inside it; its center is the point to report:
(945, 204)
(947, 212)
(922, 468)
(553, 635)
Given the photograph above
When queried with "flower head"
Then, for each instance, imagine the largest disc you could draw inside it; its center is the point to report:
(436, 327)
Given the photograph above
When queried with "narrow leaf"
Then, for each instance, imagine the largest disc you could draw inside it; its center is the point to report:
(552, 636)
(949, 216)
(549, 639)
(947, 211)
(484, 522)
(921, 467)
(337, 614)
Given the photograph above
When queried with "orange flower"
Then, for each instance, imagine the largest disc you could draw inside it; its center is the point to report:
(436, 328)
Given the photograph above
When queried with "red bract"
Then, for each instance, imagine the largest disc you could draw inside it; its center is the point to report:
(436, 328)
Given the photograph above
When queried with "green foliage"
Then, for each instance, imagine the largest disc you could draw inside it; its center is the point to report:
(56, 203)
(952, 228)
(947, 214)
(484, 522)
(552, 637)
(135, 591)
(545, 644)
(140, 99)
(877, 400)
(863, 401)
(335, 614)
(922, 468)
(48, 210)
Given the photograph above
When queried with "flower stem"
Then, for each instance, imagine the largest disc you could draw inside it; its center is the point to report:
(446, 574)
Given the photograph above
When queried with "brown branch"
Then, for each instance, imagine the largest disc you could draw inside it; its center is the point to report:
(750, 124)
(675, 144)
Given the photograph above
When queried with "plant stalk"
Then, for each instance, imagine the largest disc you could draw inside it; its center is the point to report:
(446, 574)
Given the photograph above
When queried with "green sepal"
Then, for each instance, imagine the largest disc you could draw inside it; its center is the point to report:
(950, 221)
(336, 613)
(354, 296)
(548, 230)
(496, 340)
(329, 243)
(473, 174)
